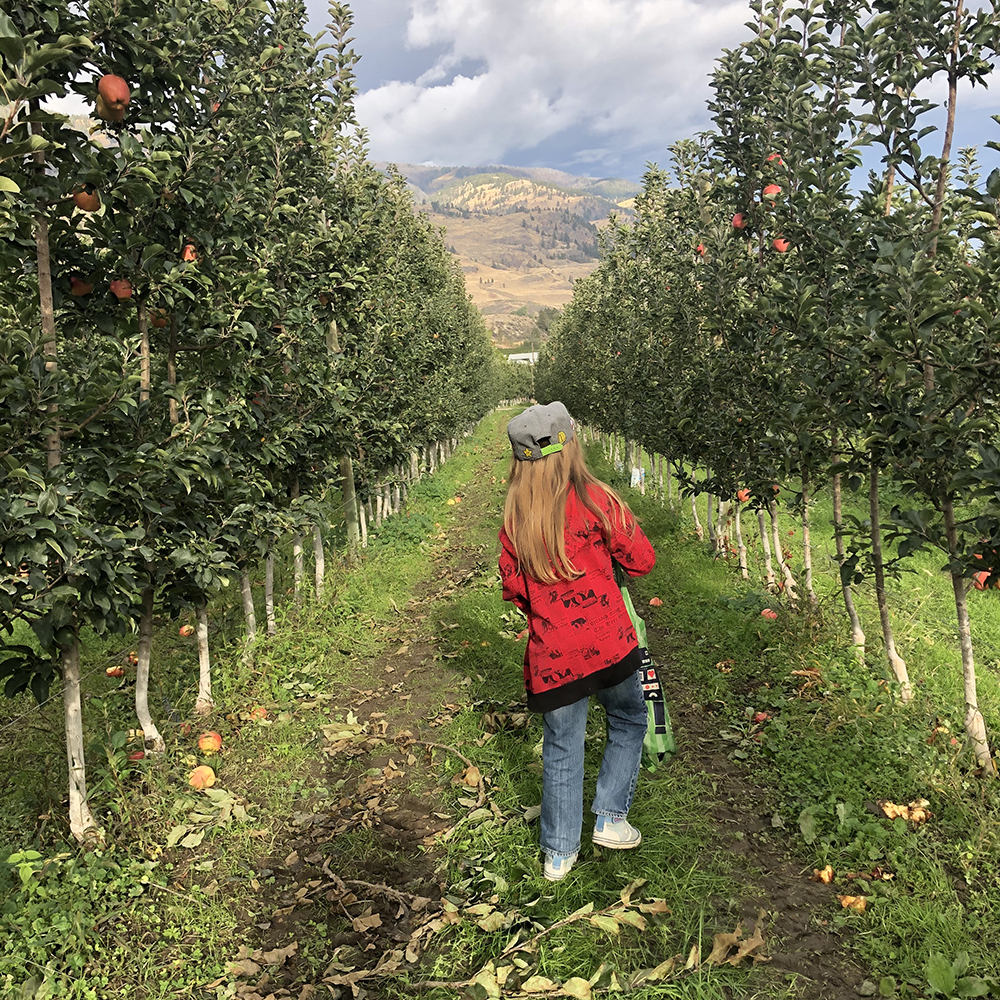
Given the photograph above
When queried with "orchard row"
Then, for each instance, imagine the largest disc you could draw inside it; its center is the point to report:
(815, 303)
(227, 327)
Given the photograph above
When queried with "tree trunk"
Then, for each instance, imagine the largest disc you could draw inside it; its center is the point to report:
(857, 633)
(145, 361)
(298, 569)
(722, 529)
(788, 581)
(713, 538)
(249, 614)
(740, 545)
(975, 726)
(896, 662)
(298, 562)
(172, 369)
(82, 824)
(378, 508)
(272, 626)
(349, 493)
(320, 561)
(150, 734)
(766, 546)
(364, 526)
(807, 566)
(699, 531)
(203, 704)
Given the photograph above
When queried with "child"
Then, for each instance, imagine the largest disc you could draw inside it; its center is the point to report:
(562, 527)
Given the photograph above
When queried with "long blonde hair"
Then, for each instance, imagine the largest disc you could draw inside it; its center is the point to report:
(534, 514)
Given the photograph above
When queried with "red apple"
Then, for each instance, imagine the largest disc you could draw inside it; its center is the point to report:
(739, 221)
(186, 630)
(776, 156)
(981, 580)
(159, 318)
(700, 249)
(121, 288)
(86, 198)
(189, 254)
(210, 742)
(743, 495)
(771, 191)
(781, 245)
(113, 97)
(201, 777)
(77, 286)
(137, 755)
(115, 671)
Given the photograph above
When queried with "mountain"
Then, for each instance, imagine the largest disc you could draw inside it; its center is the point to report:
(523, 235)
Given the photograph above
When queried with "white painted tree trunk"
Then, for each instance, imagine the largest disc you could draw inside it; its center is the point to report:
(766, 547)
(807, 567)
(397, 500)
(82, 824)
(319, 558)
(378, 509)
(150, 734)
(790, 586)
(857, 633)
(298, 569)
(699, 530)
(249, 614)
(975, 726)
(272, 626)
(203, 704)
(722, 529)
(740, 544)
(896, 662)
(364, 526)
(386, 502)
(713, 538)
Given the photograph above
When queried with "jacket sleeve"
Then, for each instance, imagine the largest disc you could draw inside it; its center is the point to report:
(631, 548)
(511, 576)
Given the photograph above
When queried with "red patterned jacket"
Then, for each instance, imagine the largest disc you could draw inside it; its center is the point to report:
(581, 638)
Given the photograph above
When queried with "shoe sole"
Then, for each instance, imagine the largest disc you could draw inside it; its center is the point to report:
(617, 845)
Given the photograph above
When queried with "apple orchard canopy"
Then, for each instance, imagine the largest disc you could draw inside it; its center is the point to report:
(539, 431)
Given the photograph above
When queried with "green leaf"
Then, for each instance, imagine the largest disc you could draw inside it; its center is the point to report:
(6, 184)
(607, 924)
(940, 976)
(193, 839)
(972, 986)
(807, 824)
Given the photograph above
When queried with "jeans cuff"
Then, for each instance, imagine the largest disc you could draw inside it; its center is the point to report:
(559, 854)
(614, 817)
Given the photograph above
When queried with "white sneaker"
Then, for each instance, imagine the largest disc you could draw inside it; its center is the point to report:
(618, 834)
(557, 868)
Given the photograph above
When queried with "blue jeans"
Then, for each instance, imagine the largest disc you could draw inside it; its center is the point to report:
(562, 764)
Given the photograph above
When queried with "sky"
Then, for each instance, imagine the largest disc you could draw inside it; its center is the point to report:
(593, 87)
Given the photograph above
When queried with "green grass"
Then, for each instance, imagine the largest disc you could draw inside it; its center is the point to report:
(849, 742)
(140, 920)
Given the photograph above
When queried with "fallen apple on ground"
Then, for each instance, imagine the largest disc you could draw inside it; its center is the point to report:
(210, 742)
(202, 777)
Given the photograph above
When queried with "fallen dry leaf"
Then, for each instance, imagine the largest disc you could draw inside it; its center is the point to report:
(655, 602)
(915, 812)
(857, 903)
(824, 875)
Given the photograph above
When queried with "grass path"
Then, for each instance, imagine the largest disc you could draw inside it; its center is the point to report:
(376, 835)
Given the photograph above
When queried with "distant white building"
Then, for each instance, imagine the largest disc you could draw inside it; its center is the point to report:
(523, 359)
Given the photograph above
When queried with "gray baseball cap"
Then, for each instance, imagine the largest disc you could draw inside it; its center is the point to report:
(539, 431)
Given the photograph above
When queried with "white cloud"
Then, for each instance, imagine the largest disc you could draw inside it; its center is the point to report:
(617, 80)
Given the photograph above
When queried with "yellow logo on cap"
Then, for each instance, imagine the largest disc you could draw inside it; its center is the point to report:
(562, 437)
(527, 451)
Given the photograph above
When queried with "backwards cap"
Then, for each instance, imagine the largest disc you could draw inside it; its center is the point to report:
(539, 431)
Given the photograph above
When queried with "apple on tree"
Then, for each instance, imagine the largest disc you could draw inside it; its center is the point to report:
(186, 630)
(771, 192)
(189, 254)
(77, 286)
(739, 221)
(113, 97)
(86, 198)
(781, 244)
(121, 288)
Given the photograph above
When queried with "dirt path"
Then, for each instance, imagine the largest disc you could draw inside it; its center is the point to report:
(363, 880)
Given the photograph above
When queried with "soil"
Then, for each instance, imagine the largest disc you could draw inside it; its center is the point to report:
(378, 909)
